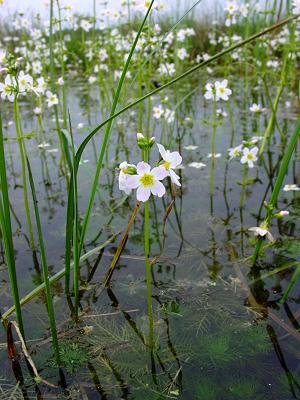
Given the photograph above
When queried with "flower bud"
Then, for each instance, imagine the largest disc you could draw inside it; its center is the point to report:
(281, 214)
(140, 136)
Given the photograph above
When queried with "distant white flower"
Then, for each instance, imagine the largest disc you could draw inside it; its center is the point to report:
(92, 79)
(169, 116)
(235, 151)
(25, 82)
(191, 147)
(80, 125)
(158, 112)
(296, 6)
(147, 181)
(257, 108)
(260, 231)
(85, 25)
(216, 155)
(221, 113)
(197, 165)
(231, 7)
(210, 90)
(249, 156)
(37, 111)
(123, 177)
(41, 85)
(52, 151)
(171, 161)
(43, 145)
(52, 99)
(182, 54)
(167, 69)
(60, 81)
(102, 55)
(291, 187)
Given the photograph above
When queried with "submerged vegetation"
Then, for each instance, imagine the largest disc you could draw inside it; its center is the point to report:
(150, 135)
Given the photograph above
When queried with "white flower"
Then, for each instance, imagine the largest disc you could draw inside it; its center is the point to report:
(7, 89)
(235, 151)
(169, 116)
(191, 147)
(158, 112)
(80, 125)
(85, 25)
(103, 55)
(171, 161)
(25, 82)
(260, 231)
(284, 213)
(249, 156)
(231, 7)
(43, 145)
(197, 165)
(209, 94)
(257, 108)
(123, 176)
(222, 91)
(216, 155)
(51, 99)
(41, 85)
(147, 181)
(182, 54)
(37, 111)
(60, 81)
(296, 6)
(291, 187)
(92, 79)
(218, 90)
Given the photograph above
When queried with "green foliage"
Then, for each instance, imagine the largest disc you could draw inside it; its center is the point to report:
(206, 390)
(73, 356)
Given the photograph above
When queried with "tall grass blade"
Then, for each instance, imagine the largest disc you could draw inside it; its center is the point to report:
(278, 185)
(49, 302)
(5, 223)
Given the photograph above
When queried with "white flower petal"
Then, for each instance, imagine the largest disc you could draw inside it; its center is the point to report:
(143, 168)
(158, 189)
(174, 178)
(159, 173)
(133, 181)
(143, 193)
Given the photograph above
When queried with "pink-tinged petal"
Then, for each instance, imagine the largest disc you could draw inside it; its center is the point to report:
(209, 95)
(254, 151)
(143, 193)
(174, 178)
(159, 173)
(224, 82)
(143, 168)
(133, 181)
(175, 159)
(244, 160)
(162, 150)
(158, 189)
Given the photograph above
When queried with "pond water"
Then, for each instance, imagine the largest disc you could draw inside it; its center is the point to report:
(219, 332)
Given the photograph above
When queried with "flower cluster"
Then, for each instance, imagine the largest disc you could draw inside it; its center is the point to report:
(217, 91)
(246, 152)
(147, 180)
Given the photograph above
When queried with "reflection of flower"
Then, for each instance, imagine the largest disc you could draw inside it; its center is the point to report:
(291, 187)
(147, 181)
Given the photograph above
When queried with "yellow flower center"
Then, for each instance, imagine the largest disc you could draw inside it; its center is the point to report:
(250, 156)
(147, 3)
(22, 81)
(222, 89)
(147, 180)
(167, 165)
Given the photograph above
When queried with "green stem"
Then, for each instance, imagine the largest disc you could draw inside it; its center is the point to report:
(23, 166)
(5, 223)
(284, 165)
(49, 301)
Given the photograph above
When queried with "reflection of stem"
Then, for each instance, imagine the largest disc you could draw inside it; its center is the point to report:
(213, 148)
(148, 272)
(242, 198)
